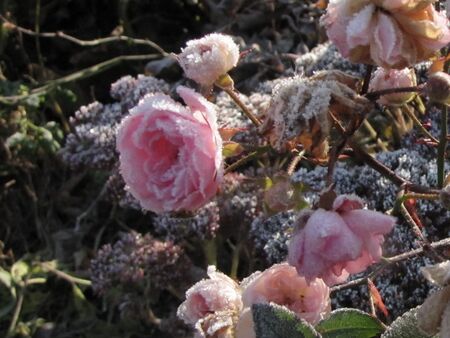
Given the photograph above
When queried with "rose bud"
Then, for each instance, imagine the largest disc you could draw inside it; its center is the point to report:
(207, 59)
(437, 88)
(212, 305)
(392, 78)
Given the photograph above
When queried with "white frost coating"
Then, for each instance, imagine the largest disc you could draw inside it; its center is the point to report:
(206, 59)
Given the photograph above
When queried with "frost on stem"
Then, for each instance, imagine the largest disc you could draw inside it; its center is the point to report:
(300, 108)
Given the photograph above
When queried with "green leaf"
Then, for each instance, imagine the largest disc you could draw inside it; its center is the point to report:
(349, 323)
(19, 270)
(405, 326)
(275, 321)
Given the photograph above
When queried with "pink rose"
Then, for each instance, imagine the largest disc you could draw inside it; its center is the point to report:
(170, 154)
(335, 243)
(206, 59)
(388, 33)
(212, 304)
(392, 78)
(281, 284)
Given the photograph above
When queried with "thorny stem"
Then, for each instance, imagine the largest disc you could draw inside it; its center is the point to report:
(375, 164)
(409, 219)
(387, 172)
(392, 260)
(442, 147)
(231, 92)
(295, 161)
(373, 96)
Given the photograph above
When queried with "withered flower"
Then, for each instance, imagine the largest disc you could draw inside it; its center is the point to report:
(300, 109)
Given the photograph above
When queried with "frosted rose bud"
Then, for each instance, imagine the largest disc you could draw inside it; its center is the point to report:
(388, 33)
(437, 88)
(170, 154)
(281, 284)
(392, 78)
(206, 59)
(335, 243)
(212, 305)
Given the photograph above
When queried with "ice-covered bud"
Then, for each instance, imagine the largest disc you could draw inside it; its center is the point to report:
(335, 243)
(392, 78)
(212, 305)
(205, 60)
(437, 88)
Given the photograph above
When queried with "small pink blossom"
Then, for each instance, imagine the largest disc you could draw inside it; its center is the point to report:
(334, 243)
(170, 154)
(206, 59)
(212, 304)
(388, 33)
(280, 284)
(392, 78)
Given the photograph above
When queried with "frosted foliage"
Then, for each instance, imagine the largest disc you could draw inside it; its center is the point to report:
(204, 223)
(296, 103)
(326, 57)
(92, 143)
(271, 234)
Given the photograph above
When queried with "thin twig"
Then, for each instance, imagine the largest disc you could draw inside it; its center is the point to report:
(373, 96)
(241, 105)
(247, 158)
(420, 125)
(82, 74)
(71, 279)
(442, 148)
(86, 43)
(389, 261)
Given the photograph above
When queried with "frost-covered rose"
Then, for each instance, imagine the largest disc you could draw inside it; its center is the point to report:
(206, 59)
(334, 243)
(393, 78)
(281, 284)
(170, 154)
(212, 305)
(388, 33)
